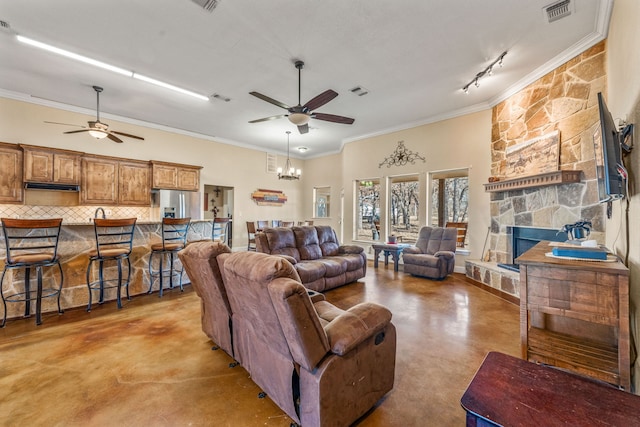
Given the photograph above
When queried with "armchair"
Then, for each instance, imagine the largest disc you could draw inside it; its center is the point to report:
(433, 256)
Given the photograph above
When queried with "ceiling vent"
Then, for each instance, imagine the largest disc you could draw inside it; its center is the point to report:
(207, 5)
(558, 10)
(272, 160)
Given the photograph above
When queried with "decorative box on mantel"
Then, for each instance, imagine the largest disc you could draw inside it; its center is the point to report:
(540, 180)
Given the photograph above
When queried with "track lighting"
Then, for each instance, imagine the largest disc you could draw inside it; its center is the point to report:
(486, 72)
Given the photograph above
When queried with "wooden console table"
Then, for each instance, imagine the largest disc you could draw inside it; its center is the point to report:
(507, 391)
(575, 315)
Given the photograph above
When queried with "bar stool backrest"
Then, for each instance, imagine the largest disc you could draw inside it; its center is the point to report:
(174, 232)
(220, 229)
(30, 241)
(262, 225)
(114, 234)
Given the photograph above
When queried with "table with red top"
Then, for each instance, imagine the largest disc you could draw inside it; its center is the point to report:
(508, 391)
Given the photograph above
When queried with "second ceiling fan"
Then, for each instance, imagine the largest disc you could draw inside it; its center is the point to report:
(301, 114)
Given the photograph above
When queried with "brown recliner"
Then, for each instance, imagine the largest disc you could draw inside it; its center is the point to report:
(322, 365)
(433, 256)
(201, 261)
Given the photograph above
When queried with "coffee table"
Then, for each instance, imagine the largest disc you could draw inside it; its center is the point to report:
(389, 249)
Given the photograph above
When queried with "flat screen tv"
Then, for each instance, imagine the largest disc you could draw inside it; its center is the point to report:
(608, 156)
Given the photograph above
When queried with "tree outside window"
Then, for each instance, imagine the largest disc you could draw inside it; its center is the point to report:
(367, 198)
(449, 197)
(404, 207)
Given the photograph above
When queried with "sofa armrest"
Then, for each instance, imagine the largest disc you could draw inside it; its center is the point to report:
(445, 254)
(291, 259)
(411, 250)
(355, 325)
(350, 249)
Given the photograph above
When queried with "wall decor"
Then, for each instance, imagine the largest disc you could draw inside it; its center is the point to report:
(535, 156)
(401, 156)
(264, 197)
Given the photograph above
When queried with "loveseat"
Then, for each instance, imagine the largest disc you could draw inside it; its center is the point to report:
(321, 262)
(321, 365)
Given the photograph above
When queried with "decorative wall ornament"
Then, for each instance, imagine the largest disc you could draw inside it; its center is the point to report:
(401, 156)
(264, 197)
(535, 156)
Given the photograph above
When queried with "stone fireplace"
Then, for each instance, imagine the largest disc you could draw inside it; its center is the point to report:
(564, 100)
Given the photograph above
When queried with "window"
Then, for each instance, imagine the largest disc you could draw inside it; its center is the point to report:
(367, 198)
(321, 201)
(404, 195)
(449, 197)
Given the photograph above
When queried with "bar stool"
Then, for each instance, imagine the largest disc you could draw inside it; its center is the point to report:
(251, 236)
(114, 242)
(31, 243)
(174, 239)
(220, 230)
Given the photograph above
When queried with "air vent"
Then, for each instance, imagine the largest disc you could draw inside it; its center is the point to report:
(359, 90)
(221, 97)
(558, 10)
(207, 5)
(272, 161)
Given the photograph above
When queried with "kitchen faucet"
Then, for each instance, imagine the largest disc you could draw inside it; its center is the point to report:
(95, 215)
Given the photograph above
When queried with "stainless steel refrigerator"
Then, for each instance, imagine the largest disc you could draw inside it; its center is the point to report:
(178, 204)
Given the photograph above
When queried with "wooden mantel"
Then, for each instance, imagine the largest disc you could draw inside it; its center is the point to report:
(549, 178)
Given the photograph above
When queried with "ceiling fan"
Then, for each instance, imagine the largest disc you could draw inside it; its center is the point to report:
(96, 128)
(301, 114)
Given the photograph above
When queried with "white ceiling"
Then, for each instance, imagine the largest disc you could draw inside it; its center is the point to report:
(413, 56)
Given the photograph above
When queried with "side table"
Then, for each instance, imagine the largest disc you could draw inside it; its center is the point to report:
(389, 249)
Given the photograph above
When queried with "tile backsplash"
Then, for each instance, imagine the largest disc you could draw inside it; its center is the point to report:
(75, 214)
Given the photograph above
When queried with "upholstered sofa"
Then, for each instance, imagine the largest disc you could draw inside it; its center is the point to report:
(321, 365)
(433, 256)
(321, 262)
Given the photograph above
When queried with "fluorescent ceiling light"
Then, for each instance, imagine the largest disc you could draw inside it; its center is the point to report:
(169, 86)
(108, 67)
(75, 56)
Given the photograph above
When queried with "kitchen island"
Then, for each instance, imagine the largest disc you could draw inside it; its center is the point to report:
(76, 240)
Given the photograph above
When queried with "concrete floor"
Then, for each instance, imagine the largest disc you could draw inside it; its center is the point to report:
(150, 364)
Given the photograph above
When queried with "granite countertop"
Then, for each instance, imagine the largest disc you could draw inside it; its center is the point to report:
(144, 222)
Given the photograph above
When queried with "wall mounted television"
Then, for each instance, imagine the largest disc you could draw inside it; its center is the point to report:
(608, 156)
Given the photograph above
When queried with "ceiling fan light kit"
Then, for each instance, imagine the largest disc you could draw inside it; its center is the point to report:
(300, 115)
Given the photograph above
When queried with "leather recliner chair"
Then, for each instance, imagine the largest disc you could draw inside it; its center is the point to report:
(433, 256)
(322, 365)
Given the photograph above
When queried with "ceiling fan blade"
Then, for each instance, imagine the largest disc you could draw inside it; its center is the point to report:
(321, 99)
(269, 118)
(333, 118)
(304, 128)
(269, 100)
(64, 124)
(128, 135)
(76, 131)
(114, 138)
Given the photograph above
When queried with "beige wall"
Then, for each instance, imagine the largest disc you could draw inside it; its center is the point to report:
(225, 165)
(623, 72)
(458, 143)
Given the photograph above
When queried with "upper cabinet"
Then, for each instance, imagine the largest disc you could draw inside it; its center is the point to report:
(11, 174)
(43, 165)
(99, 181)
(173, 176)
(134, 183)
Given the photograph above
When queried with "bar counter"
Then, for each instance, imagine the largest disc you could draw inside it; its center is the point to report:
(76, 240)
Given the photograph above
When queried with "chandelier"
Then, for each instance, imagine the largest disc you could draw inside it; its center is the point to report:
(401, 156)
(289, 173)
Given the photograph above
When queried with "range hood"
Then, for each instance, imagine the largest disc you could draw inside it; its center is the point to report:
(50, 186)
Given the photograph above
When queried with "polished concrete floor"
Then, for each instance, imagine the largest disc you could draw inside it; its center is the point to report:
(149, 364)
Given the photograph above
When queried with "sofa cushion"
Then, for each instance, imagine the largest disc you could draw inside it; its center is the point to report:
(310, 271)
(421, 259)
(350, 261)
(333, 266)
(282, 241)
(307, 242)
(328, 240)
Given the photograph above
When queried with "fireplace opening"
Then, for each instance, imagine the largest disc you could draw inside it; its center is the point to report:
(524, 238)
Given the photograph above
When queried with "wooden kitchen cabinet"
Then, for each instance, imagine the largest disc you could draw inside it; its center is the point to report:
(11, 158)
(173, 176)
(575, 315)
(44, 165)
(134, 183)
(99, 184)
